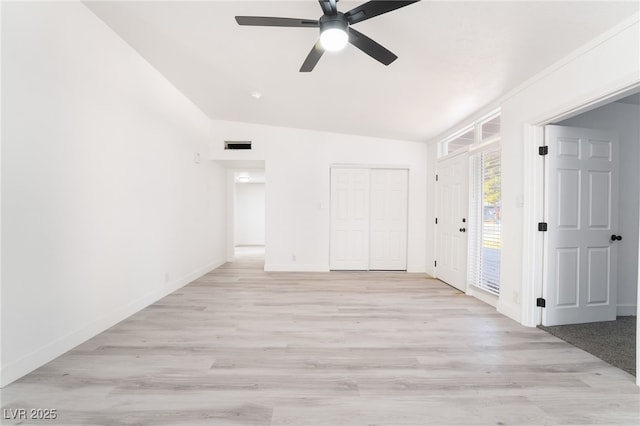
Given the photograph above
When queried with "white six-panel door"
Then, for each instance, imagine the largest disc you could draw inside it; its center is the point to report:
(368, 219)
(388, 236)
(349, 219)
(582, 202)
(452, 208)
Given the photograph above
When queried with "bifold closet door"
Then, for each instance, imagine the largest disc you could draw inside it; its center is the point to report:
(388, 220)
(368, 219)
(349, 219)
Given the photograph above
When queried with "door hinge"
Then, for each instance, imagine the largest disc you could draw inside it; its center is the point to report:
(543, 150)
(541, 302)
(436, 220)
(436, 178)
(542, 226)
(435, 263)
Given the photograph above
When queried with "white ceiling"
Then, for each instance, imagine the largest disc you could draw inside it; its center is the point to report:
(454, 58)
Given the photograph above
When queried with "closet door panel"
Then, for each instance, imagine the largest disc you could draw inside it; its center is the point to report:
(350, 200)
(389, 198)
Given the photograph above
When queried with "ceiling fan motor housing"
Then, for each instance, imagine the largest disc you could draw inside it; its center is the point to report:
(337, 21)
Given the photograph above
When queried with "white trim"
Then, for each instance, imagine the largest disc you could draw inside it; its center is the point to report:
(485, 145)
(48, 352)
(489, 116)
(626, 309)
(594, 100)
(292, 267)
(458, 133)
(533, 240)
(454, 154)
(483, 295)
(618, 87)
(508, 309)
(369, 166)
(571, 57)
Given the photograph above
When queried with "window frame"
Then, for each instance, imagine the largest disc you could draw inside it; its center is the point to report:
(492, 144)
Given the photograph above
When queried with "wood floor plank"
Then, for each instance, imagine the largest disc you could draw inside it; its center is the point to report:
(241, 346)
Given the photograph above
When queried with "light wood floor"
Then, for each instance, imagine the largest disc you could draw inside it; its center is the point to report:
(244, 347)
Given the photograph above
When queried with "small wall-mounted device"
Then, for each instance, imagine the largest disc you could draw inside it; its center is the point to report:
(237, 144)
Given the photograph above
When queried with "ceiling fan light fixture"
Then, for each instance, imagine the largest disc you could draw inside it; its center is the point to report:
(334, 39)
(335, 29)
(334, 34)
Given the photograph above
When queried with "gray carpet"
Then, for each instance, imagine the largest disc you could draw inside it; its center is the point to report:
(612, 341)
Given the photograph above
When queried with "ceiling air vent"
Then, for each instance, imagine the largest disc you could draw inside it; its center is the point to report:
(237, 144)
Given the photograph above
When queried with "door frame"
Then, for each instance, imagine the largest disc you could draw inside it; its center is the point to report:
(370, 167)
(533, 265)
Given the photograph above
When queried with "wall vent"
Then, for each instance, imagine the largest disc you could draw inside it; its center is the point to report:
(237, 144)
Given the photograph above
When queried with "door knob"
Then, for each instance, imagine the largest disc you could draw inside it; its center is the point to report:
(615, 237)
(463, 229)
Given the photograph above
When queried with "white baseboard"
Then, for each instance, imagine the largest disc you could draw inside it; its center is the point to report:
(181, 282)
(17, 369)
(625, 310)
(484, 296)
(293, 267)
(510, 310)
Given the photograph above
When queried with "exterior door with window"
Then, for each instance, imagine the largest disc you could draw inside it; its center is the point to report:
(451, 242)
(581, 241)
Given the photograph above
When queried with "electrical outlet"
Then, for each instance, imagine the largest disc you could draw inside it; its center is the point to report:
(293, 257)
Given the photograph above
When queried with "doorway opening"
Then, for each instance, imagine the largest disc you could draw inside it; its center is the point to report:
(249, 214)
(248, 210)
(590, 277)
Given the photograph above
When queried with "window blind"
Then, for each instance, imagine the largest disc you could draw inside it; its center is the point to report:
(485, 202)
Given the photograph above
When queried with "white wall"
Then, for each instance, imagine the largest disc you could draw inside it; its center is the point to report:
(623, 119)
(104, 209)
(297, 194)
(606, 65)
(249, 214)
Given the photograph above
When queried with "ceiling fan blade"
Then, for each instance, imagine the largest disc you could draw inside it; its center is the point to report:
(329, 7)
(374, 8)
(312, 58)
(264, 21)
(370, 47)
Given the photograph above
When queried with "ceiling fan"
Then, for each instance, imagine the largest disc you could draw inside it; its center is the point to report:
(335, 29)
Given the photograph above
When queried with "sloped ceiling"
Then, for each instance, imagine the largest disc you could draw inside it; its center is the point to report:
(454, 58)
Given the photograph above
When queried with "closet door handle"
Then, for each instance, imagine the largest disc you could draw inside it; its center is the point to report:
(615, 237)
(463, 229)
